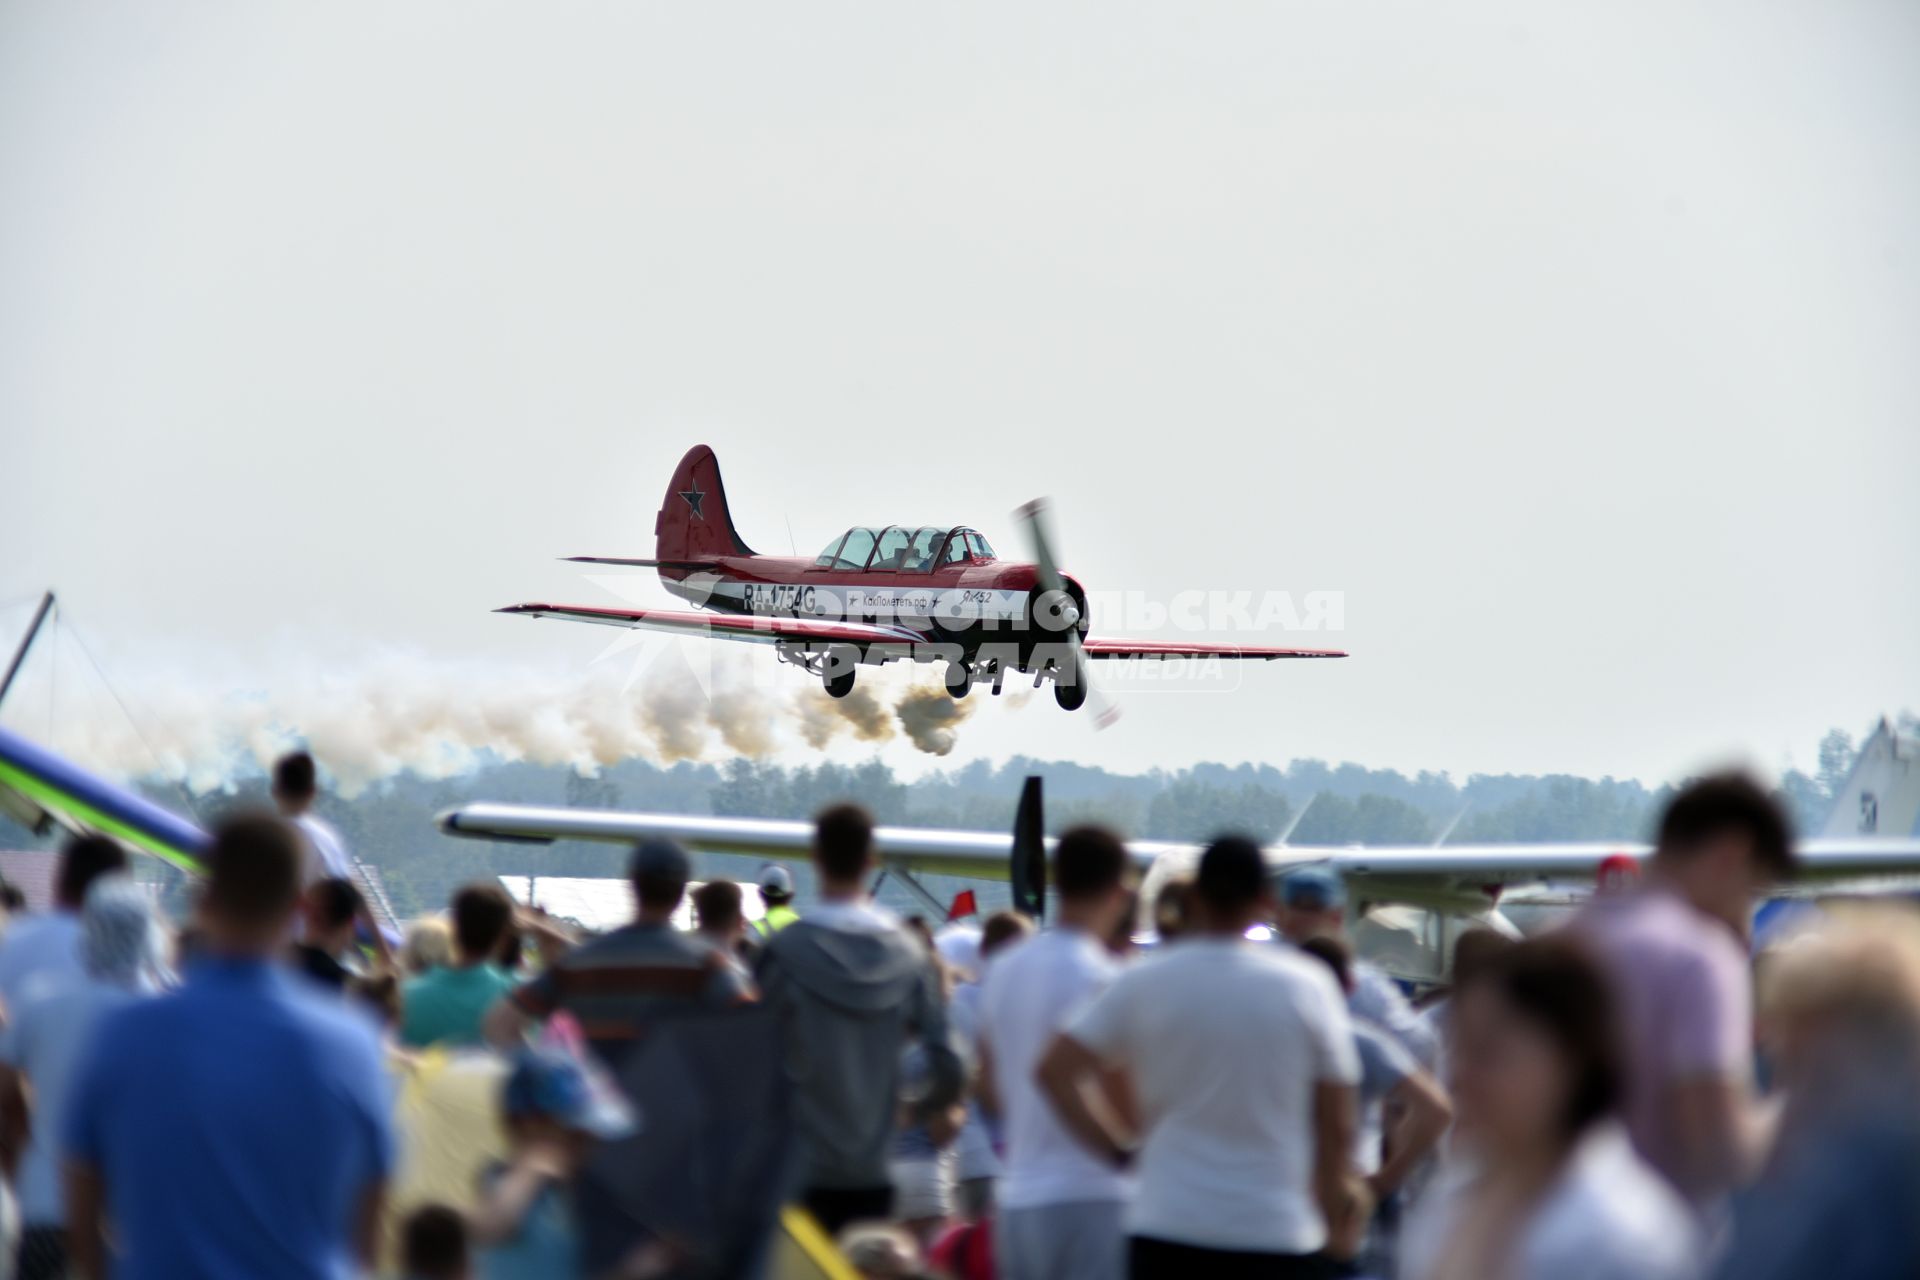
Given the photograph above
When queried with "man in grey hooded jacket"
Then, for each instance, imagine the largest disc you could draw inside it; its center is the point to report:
(854, 987)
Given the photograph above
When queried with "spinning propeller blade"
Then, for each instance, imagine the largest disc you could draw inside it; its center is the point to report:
(1034, 515)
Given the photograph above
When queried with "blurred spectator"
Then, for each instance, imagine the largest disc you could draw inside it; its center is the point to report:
(1173, 909)
(620, 984)
(428, 946)
(524, 1221)
(1060, 1205)
(1839, 1197)
(1392, 1085)
(237, 1127)
(433, 1245)
(447, 1005)
(719, 919)
(957, 943)
(296, 787)
(1471, 949)
(977, 1165)
(40, 952)
(1549, 1187)
(1675, 955)
(119, 942)
(330, 909)
(877, 1251)
(776, 894)
(1120, 939)
(378, 995)
(447, 1118)
(964, 1252)
(513, 953)
(923, 1165)
(922, 932)
(1243, 1068)
(854, 986)
(16, 1123)
(1313, 904)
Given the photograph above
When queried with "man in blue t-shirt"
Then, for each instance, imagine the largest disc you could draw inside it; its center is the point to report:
(239, 1127)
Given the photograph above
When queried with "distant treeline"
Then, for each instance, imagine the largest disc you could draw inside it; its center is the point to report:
(391, 825)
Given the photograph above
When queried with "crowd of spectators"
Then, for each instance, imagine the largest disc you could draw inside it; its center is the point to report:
(267, 1093)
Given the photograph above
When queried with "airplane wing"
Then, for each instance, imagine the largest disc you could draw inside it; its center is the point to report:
(39, 790)
(1102, 647)
(725, 625)
(1446, 877)
(981, 855)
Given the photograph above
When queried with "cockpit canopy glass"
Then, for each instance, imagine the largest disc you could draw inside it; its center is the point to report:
(898, 548)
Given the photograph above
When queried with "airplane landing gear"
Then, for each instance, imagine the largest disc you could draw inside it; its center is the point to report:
(1071, 697)
(842, 662)
(835, 668)
(1070, 686)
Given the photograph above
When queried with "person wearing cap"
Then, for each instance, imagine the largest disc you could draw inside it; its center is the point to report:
(776, 891)
(1313, 904)
(553, 1116)
(618, 985)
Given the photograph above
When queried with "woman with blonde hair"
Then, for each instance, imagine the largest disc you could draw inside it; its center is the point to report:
(1839, 1197)
(428, 946)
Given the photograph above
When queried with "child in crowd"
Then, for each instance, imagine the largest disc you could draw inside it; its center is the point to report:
(433, 1245)
(524, 1221)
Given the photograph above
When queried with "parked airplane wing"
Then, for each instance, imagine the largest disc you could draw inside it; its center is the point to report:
(1106, 647)
(725, 626)
(1411, 873)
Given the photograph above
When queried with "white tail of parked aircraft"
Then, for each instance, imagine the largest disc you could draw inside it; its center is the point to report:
(1881, 796)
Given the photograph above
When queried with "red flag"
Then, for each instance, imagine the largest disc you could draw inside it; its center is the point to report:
(963, 905)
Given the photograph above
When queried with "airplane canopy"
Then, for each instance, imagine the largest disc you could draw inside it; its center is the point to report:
(903, 548)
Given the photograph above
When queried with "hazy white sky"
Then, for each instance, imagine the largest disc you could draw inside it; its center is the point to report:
(1575, 344)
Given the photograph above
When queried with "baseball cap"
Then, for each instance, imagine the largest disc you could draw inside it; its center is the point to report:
(1313, 888)
(664, 858)
(776, 880)
(555, 1085)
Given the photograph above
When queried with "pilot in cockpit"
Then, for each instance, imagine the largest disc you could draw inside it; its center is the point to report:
(919, 553)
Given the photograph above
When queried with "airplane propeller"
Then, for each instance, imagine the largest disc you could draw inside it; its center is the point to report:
(1053, 584)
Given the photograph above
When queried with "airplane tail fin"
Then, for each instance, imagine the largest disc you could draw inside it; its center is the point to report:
(1881, 796)
(694, 521)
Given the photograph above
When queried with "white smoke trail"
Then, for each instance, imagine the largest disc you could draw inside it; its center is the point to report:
(438, 720)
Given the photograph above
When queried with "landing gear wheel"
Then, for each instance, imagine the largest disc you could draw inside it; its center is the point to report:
(1070, 687)
(959, 679)
(840, 667)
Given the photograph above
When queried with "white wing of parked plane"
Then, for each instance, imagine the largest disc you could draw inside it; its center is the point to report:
(1452, 877)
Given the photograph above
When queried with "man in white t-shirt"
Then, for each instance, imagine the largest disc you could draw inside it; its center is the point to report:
(1060, 1204)
(1243, 1069)
(296, 785)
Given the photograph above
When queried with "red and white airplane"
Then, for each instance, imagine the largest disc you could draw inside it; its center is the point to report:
(878, 594)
